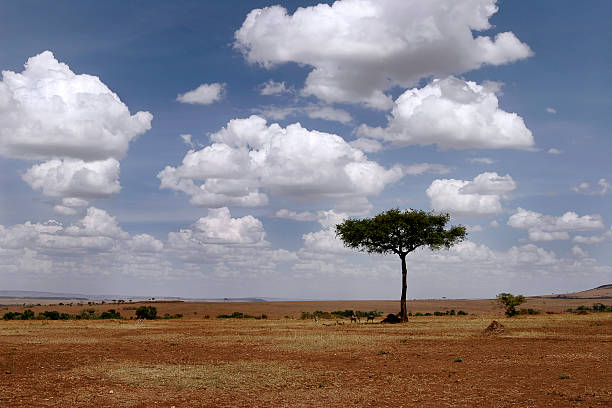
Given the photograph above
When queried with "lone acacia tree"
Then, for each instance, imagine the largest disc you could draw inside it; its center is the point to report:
(400, 232)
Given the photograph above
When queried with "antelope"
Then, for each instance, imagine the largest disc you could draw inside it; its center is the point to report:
(370, 317)
(355, 318)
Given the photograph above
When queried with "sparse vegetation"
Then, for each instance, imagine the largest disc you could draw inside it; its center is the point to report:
(596, 308)
(146, 312)
(510, 302)
(240, 315)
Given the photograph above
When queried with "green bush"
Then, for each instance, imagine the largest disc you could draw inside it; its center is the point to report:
(27, 315)
(110, 314)
(239, 315)
(50, 315)
(10, 316)
(461, 313)
(146, 312)
(510, 302)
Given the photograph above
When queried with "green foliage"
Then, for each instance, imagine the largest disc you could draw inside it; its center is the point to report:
(510, 302)
(343, 313)
(529, 311)
(50, 315)
(458, 360)
(239, 315)
(146, 312)
(27, 315)
(461, 313)
(596, 308)
(10, 316)
(399, 232)
(174, 316)
(110, 314)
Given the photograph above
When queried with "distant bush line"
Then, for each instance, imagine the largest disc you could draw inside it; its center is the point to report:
(143, 312)
(239, 315)
(596, 308)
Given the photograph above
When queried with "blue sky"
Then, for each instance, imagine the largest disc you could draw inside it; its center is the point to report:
(498, 116)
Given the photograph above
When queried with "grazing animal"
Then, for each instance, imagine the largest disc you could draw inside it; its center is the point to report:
(370, 318)
(316, 319)
(355, 318)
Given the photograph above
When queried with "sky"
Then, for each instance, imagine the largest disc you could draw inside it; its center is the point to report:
(208, 149)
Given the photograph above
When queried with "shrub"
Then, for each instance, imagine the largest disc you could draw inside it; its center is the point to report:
(50, 315)
(236, 315)
(529, 311)
(110, 314)
(27, 315)
(174, 316)
(10, 315)
(461, 313)
(146, 312)
(510, 302)
(343, 313)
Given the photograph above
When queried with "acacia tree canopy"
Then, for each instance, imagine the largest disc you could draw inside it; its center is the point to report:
(400, 232)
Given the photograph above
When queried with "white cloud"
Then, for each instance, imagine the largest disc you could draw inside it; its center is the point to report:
(585, 188)
(329, 113)
(218, 227)
(552, 150)
(204, 94)
(47, 111)
(312, 111)
(367, 145)
(97, 223)
(480, 197)
(543, 227)
(454, 114)
(249, 159)
(552, 111)
(273, 88)
(483, 160)
(63, 210)
(579, 252)
(360, 48)
(75, 178)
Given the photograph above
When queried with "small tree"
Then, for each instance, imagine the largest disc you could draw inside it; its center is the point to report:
(146, 312)
(510, 302)
(400, 233)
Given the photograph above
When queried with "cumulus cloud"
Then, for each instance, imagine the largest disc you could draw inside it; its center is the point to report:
(480, 197)
(360, 48)
(204, 94)
(93, 245)
(218, 227)
(75, 178)
(453, 114)
(543, 227)
(73, 122)
(249, 159)
(273, 88)
(47, 111)
(585, 188)
(554, 151)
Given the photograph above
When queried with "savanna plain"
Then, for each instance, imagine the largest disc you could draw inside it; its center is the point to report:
(554, 358)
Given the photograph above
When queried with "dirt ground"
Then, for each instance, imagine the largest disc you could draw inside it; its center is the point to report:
(557, 360)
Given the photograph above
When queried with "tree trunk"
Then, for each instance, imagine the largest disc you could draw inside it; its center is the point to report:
(403, 310)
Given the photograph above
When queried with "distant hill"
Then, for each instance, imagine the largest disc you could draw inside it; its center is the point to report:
(600, 292)
(32, 294)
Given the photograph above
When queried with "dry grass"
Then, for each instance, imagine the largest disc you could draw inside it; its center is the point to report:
(238, 375)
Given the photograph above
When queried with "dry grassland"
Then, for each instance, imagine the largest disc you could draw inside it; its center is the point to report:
(558, 360)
